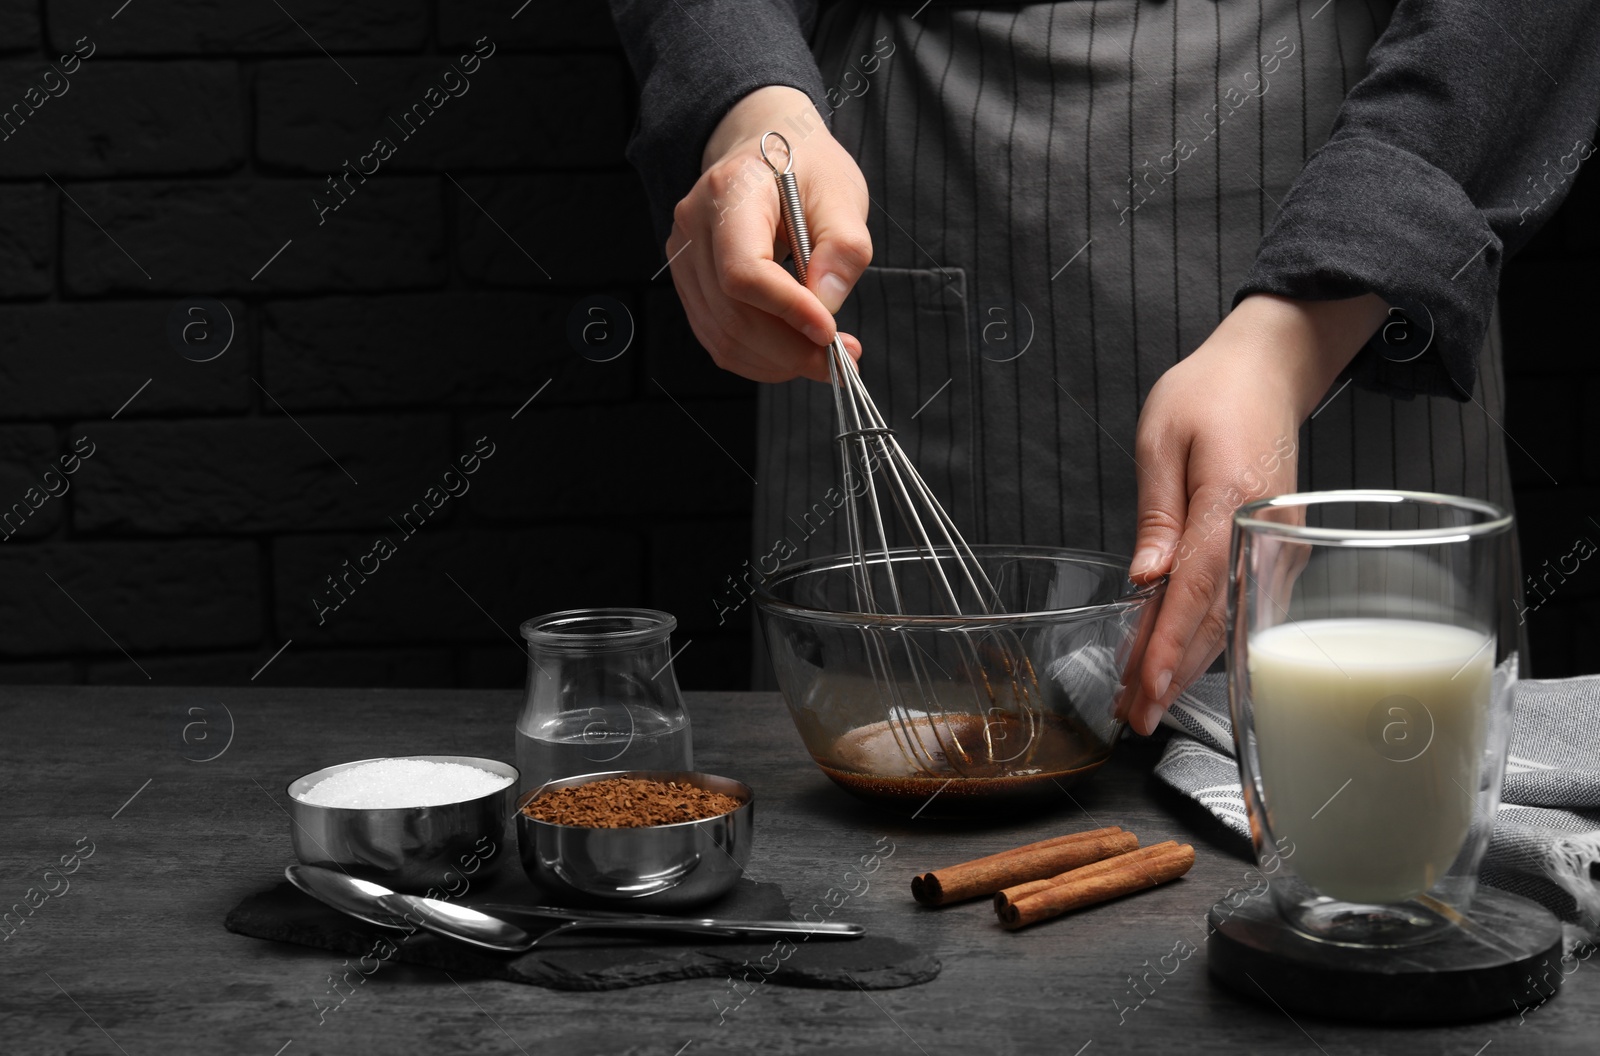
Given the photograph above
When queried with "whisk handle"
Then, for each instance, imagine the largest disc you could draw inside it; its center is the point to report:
(794, 217)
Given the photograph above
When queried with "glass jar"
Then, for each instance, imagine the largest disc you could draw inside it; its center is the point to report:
(601, 696)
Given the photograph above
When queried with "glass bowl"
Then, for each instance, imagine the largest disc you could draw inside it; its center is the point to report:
(944, 715)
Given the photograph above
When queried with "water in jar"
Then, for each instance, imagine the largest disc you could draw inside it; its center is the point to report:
(602, 738)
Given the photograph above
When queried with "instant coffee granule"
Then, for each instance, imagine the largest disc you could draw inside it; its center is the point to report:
(628, 803)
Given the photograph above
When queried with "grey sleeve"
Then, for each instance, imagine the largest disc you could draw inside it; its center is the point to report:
(693, 60)
(1461, 140)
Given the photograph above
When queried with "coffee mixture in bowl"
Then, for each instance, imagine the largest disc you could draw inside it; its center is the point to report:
(869, 761)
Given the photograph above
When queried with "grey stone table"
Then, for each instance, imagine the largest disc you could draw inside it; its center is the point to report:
(132, 957)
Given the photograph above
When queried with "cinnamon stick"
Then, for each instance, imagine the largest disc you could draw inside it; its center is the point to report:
(1071, 892)
(1012, 895)
(985, 876)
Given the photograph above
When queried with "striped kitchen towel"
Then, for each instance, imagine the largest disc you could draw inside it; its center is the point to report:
(1546, 840)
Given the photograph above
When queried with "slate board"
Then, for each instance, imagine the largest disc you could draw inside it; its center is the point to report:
(599, 961)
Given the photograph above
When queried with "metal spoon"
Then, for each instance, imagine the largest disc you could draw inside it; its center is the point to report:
(361, 899)
(377, 904)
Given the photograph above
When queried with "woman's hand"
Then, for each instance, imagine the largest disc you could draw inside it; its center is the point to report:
(727, 239)
(1219, 430)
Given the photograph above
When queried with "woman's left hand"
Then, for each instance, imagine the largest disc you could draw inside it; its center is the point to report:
(1219, 430)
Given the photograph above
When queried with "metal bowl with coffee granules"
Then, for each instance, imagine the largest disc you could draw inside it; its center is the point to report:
(628, 803)
(656, 840)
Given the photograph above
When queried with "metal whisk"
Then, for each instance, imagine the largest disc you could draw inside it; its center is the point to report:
(999, 673)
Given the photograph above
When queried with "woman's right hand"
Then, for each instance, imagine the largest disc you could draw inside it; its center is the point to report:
(728, 239)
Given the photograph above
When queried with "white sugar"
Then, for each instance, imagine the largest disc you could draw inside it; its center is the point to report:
(402, 783)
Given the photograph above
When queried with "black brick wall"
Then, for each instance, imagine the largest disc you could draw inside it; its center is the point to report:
(1553, 407)
(378, 333)
(375, 342)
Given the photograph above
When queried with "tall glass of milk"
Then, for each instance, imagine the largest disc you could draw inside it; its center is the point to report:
(1371, 657)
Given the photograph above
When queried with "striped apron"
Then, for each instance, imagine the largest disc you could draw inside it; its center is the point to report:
(1042, 253)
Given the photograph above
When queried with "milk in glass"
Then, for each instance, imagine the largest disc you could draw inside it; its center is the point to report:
(1370, 737)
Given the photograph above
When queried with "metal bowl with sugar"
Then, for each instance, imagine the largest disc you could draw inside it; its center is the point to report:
(407, 848)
